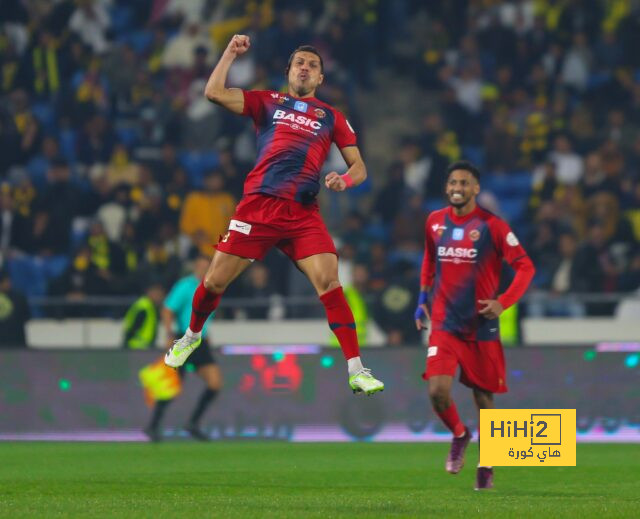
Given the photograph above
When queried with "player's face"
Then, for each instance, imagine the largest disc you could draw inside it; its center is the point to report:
(305, 74)
(462, 187)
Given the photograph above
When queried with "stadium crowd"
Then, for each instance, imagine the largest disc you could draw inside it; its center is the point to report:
(115, 170)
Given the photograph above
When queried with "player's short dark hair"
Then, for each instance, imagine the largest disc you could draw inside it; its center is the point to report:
(304, 48)
(464, 165)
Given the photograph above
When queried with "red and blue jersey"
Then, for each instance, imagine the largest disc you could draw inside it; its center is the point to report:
(462, 264)
(294, 137)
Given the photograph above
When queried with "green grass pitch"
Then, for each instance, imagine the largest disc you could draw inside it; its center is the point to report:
(246, 479)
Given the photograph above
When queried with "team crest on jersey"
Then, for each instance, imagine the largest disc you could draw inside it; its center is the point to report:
(320, 113)
(474, 235)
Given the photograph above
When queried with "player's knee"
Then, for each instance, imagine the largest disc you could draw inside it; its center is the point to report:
(439, 398)
(483, 400)
(214, 284)
(328, 284)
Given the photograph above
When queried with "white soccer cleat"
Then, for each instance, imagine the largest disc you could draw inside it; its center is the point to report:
(180, 351)
(364, 382)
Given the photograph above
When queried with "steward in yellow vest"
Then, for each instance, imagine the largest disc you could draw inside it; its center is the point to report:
(141, 320)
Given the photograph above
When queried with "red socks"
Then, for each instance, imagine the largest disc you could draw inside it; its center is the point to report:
(341, 321)
(204, 302)
(451, 419)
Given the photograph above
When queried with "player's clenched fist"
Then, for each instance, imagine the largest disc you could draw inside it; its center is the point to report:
(238, 45)
(335, 182)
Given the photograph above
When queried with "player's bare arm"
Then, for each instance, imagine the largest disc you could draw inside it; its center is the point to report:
(357, 172)
(230, 98)
(491, 309)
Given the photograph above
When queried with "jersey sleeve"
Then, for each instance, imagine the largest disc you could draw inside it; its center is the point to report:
(429, 260)
(343, 134)
(514, 254)
(253, 104)
(505, 240)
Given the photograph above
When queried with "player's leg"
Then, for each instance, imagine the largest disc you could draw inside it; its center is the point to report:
(152, 430)
(212, 376)
(224, 268)
(443, 357)
(445, 408)
(322, 271)
(483, 370)
(484, 475)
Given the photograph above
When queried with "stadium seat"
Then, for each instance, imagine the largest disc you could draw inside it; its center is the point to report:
(597, 79)
(37, 168)
(433, 204)
(127, 135)
(401, 256)
(474, 154)
(197, 164)
(377, 231)
(361, 189)
(68, 141)
(512, 208)
(46, 115)
(54, 266)
(139, 41)
(121, 17)
(31, 274)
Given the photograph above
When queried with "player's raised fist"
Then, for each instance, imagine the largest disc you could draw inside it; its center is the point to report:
(335, 182)
(239, 44)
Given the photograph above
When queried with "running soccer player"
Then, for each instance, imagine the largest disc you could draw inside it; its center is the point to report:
(279, 207)
(464, 249)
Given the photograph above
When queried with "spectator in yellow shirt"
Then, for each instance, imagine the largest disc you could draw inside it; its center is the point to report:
(205, 214)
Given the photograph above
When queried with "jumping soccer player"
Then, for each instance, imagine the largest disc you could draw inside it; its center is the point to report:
(279, 207)
(465, 246)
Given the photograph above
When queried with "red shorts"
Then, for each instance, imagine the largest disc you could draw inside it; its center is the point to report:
(261, 222)
(481, 362)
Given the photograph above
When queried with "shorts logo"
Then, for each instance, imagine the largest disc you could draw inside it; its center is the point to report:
(458, 233)
(474, 235)
(320, 113)
(237, 225)
(432, 351)
(512, 240)
(301, 106)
